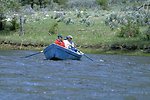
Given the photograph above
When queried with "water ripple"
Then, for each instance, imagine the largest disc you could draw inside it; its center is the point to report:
(114, 77)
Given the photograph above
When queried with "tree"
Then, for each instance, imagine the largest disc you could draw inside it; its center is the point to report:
(6, 5)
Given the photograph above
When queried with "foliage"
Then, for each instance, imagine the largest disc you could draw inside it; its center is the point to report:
(41, 3)
(147, 34)
(60, 2)
(129, 30)
(116, 19)
(81, 4)
(15, 24)
(9, 4)
(5, 5)
(103, 3)
(54, 28)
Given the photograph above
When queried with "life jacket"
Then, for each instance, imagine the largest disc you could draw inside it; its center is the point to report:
(59, 42)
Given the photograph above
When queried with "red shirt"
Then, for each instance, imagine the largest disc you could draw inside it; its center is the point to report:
(59, 42)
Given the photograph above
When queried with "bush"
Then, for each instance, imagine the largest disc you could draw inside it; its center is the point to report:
(129, 30)
(15, 24)
(60, 2)
(103, 3)
(147, 34)
(54, 28)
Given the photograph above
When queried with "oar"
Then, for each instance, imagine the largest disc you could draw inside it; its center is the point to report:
(33, 54)
(88, 57)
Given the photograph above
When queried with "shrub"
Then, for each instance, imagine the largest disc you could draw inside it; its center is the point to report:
(103, 3)
(54, 28)
(129, 30)
(15, 24)
(147, 34)
(79, 15)
(60, 2)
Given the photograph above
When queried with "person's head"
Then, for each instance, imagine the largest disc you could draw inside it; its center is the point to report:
(60, 37)
(69, 37)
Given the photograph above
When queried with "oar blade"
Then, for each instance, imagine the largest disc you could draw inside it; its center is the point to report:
(32, 54)
(88, 57)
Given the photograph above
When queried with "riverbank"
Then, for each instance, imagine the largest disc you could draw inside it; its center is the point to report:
(95, 49)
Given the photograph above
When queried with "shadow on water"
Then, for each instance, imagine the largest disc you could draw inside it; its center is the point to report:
(108, 77)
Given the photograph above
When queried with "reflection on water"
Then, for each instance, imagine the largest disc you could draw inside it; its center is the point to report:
(108, 77)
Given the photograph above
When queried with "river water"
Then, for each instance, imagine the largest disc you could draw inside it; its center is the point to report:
(108, 77)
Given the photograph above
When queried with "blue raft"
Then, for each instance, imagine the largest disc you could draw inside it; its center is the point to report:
(56, 52)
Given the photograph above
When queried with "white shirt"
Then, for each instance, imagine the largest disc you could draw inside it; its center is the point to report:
(67, 44)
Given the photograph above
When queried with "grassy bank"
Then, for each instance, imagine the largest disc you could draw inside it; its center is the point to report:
(93, 38)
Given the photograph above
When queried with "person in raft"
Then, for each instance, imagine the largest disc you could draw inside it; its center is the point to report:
(69, 44)
(60, 41)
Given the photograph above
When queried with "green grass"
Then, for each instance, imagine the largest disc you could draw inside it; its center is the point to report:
(38, 32)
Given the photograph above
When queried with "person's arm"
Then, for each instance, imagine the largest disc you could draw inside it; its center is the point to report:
(73, 44)
(63, 44)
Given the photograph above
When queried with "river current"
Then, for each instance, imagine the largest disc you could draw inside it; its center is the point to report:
(108, 77)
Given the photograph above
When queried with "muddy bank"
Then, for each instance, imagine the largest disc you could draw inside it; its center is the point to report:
(34, 46)
(21, 46)
(122, 47)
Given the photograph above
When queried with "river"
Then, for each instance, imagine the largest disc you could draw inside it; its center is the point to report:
(108, 77)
